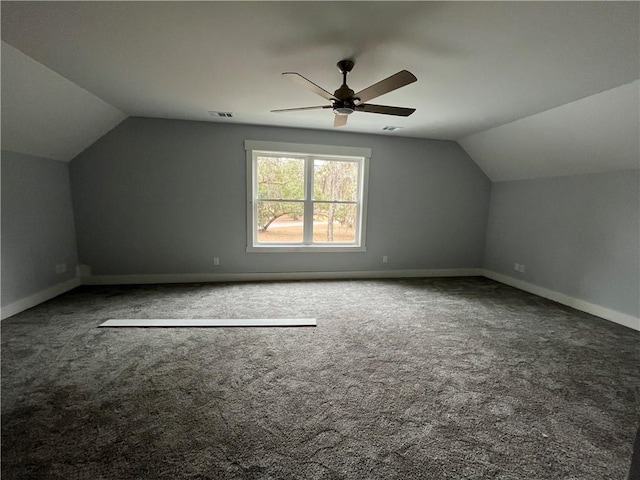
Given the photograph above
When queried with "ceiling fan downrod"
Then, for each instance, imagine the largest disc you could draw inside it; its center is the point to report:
(346, 103)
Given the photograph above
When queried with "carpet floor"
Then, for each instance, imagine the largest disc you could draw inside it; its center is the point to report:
(460, 378)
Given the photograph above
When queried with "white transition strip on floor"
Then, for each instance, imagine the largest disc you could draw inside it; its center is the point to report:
(211, 322)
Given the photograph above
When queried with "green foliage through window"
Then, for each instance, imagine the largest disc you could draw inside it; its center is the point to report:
(306, 199)
(279, 179)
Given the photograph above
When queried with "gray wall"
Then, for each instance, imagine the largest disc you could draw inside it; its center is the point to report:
(166, 196)
(576, 235)
(37, 225)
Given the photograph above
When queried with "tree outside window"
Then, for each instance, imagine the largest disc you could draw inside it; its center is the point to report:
(306, 200)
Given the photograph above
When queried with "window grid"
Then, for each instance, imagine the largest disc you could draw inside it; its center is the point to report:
(309, 205)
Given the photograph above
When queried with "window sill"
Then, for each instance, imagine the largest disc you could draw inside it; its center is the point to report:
(305, 249)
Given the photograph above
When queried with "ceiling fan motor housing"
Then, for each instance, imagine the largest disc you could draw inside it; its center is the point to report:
(345, 103)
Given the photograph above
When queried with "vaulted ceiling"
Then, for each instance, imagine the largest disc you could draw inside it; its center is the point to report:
(529, 89)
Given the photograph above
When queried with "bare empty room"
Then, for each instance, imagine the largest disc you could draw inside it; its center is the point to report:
(320, 240)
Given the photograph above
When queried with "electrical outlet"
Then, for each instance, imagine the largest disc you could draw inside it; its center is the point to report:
(384, 259)
(521, 268)
(516, 267)
(216, 261)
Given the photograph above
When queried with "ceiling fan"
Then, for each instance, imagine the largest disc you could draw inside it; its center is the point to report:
(345, 101)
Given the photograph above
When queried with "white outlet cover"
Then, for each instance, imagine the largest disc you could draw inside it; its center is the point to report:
(516, 267)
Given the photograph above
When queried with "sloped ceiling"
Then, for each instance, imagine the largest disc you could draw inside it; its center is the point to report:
(480, 66)
(46, 115)
(593, 134)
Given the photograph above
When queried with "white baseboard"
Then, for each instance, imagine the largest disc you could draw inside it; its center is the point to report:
(577, 303)
(39, 297)
(582, 305)
(250, 277)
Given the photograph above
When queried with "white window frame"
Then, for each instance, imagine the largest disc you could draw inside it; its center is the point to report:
(309, 152)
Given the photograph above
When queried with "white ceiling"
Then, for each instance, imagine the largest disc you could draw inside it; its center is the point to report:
(480, 65)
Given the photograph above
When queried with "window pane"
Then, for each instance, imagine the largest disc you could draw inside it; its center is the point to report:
(280, 222)
(335, 180)
(334, 222)
(280, 178)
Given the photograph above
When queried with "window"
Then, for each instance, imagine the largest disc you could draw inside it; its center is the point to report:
(306, 198)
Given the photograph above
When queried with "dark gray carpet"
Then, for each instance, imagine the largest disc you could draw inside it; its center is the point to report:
(402, 379)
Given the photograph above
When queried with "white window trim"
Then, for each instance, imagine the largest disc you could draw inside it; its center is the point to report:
(327, 151)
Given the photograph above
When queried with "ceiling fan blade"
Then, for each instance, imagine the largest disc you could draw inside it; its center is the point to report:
(340, 120)
(387, 85)
(301, 108)
(385, 109)
(305, 82)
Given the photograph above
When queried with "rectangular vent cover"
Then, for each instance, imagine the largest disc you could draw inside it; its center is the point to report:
(221, 114)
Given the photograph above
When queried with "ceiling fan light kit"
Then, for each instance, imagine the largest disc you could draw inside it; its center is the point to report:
(345, 101)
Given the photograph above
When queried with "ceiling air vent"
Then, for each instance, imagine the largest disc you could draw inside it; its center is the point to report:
(390, 128)
(221, 114)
